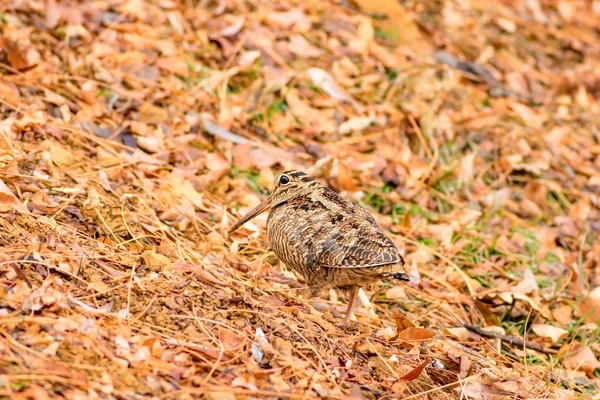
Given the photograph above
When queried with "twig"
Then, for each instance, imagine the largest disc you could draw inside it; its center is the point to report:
(515, 341)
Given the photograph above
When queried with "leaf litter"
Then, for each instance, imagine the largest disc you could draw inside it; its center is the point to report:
(133, 134)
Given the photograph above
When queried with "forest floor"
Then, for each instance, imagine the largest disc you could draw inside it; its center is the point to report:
(134, 134)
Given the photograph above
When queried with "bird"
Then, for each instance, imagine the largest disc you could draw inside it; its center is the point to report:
(328, 240)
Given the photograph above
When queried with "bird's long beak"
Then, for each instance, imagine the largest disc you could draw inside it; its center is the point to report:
(265, 205)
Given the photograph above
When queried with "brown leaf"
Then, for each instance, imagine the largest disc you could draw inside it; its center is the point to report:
(9, 93)
(299, 108)
(201, 273)
(489, 317)
(478, 390)
(21, 57)
(8, 200)
(563, 314)
(405, 221)
(536, 192)
(579, 357)
(590, 306)
(402, 323)
(344, 178)
(88, 92)
(289, 19)
(415, 334)
(151, 114)
(303, 48)
(516, 386)
(527, 285)
(465, 366)
(414, 374)
(176, 65)
(462, 334)
(548, 331)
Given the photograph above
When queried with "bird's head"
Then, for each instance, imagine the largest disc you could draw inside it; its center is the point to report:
(288, 184)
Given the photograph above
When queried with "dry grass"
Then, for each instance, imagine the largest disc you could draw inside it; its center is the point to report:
(133, 134)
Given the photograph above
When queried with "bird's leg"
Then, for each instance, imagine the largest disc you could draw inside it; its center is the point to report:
(353, 295)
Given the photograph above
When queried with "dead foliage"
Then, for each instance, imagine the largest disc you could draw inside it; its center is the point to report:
(134, 133)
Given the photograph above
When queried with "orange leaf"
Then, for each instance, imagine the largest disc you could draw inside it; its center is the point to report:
(579, 357)
(344, 178)
(402, 322)
(489, 317)
(405, 222)
(8, 199)
(415, 334)
(414, 374)
(590, 306)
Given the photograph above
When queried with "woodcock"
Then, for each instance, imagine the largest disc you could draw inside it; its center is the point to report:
(330, 241)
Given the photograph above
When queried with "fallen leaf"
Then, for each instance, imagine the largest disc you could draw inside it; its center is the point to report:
(233, 29)
(414, 374)
(589, 307)
(9, 93)
(151, 114)
(477, 390)
(303, 48)
(355, 124)
(8, 200)
(326, 82)
(563, 314)
(465, 366)
(345, 179)
(402, 323)
(412, 334)
(175, 65)
(579, 357)
(548, 331)
(489, 317)
(462, 334)
(527, 285)
(288, 19)
(201, 273)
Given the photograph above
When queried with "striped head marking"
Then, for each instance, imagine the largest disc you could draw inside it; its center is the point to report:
(288, 184)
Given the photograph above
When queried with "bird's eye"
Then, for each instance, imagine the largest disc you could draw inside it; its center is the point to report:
(284, 180)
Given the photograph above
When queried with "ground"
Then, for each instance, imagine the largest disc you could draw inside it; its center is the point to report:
(133, 134)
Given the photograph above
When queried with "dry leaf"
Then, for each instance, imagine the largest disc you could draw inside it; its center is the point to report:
(462, 334)
(402, 323)
(548, 331)
(129, 133)
(477, 390)
(201, 273)
(414, 374)
(590, 306)
(412, 334)
(563, 314)
(151, 114)
(489, 317)
(303, 48)
(8, 200)
(527, 285)
(9, 93)
(579, 357)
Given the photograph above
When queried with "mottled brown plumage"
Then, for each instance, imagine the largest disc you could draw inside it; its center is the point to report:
(330, 241)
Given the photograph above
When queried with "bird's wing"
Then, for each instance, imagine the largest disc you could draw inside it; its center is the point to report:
(356, 242)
